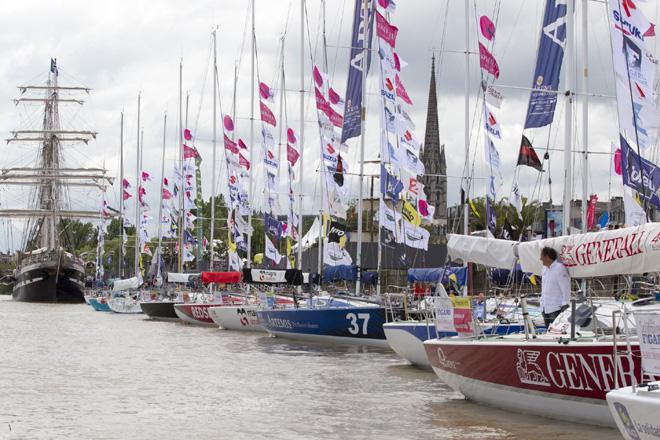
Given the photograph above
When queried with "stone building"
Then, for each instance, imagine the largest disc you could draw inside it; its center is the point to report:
(433, 157)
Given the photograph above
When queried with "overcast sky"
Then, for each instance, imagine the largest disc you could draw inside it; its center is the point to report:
(120, 48)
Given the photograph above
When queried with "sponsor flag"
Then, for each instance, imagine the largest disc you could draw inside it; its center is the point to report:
(401, 91)
(126, 195)
(271, 251)
(389, 185)
(189, 152)
(591, 211)
(187, 135)
(335, 255)
(488, 62)
(267, 115)
(527, 155)
(543, 99)
(410, 213)
(126, 183)
(645, 180)
(385, 30)
(352, 122)
(415, 236)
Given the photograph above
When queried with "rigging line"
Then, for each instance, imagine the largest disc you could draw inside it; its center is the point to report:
(203, 90)
(339, 33)
(239, 58)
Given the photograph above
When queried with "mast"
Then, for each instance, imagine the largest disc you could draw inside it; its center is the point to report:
(181, 189)
(568, 127)
(321, 163)
(121, 196)
(302, 134)
(251, 186)
(363, 120)
(466, 134)
(138, 185)
(585, 114)
(213, 168)
(160, 206)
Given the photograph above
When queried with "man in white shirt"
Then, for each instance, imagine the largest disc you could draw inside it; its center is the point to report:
(555, 286)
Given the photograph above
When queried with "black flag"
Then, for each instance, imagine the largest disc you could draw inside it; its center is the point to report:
(527, 155)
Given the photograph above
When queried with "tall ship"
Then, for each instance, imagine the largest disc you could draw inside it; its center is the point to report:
(47, 268)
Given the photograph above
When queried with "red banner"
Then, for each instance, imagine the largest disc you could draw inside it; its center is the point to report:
(487, 61)
(385, 30)
(230, 145)
(222, 277)
(267, 116)
(401, 91)
(292, 155)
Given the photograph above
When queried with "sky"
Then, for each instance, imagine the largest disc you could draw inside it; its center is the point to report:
(123, 48)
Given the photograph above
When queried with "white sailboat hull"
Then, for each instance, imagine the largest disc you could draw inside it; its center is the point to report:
(636, 413)
(240, 318)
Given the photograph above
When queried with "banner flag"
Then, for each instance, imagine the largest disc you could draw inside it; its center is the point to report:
(543, 99)
(352, 125)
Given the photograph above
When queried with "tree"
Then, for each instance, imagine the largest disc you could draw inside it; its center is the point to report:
(531, 212)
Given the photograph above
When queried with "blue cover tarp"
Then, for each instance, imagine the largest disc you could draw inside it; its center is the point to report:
(339, 273)
(431, 275)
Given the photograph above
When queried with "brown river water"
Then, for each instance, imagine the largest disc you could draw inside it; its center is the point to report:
(68, 372)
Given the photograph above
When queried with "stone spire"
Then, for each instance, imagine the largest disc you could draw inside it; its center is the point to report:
(433, 157)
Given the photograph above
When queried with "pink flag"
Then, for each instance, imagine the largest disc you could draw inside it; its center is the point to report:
(189, 152)
(265, 92)
(336, 119)
(487, 28)
(187, 135)
(267, 116)
(291, 136)
(385, 30)
(388, 5)
(334, 97)
(166, 194)
(318, 77)
(401, 91)
(242, 144)
(230, 145)
(292, 155)
(321, 103)
(423, 207)
(617, 161)
(591, 211)
(146, 176)
(228, 123)
(488, 62)
(165, 181)
(126, 195)
(242, 161)
(126, 183)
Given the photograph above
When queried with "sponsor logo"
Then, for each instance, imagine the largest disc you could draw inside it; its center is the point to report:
(446, 363)
(573, 371)
(200, 312)
(626, 420)
(529, 370)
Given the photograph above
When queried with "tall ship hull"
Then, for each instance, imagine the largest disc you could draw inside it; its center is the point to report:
(50, 277)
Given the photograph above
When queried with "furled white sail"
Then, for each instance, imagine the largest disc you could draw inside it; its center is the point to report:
(487, 251)
(633, 250)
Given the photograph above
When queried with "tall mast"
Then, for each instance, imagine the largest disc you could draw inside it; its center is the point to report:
(213, 168)
(568, 122)
(302, 133)
(466, 133)
(363, 118)
(251, 188)
(160, 197)
(121, 196)
(585, 114)
(138, 185)
(181, 219)
(321, 163)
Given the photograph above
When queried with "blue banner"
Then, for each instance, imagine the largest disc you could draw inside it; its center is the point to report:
(352, 125)
(389, 185)
(543, 99)
(646, 182)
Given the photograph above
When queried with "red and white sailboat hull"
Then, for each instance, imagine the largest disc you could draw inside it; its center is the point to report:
(196, 314)
(542, 377)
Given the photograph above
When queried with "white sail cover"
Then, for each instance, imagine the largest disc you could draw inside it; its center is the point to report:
(173, 277)
(633, 250)
(481, 250)
(127, 284)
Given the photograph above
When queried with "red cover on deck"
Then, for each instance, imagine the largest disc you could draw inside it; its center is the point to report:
(222, 277)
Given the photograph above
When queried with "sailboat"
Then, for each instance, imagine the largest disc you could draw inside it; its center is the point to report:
(46, 271)
(567, 375)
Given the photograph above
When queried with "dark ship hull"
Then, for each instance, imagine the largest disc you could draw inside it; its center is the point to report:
(160, 310)
(53, 276)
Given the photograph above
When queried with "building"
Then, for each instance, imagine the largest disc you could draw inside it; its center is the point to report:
(433, 158)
